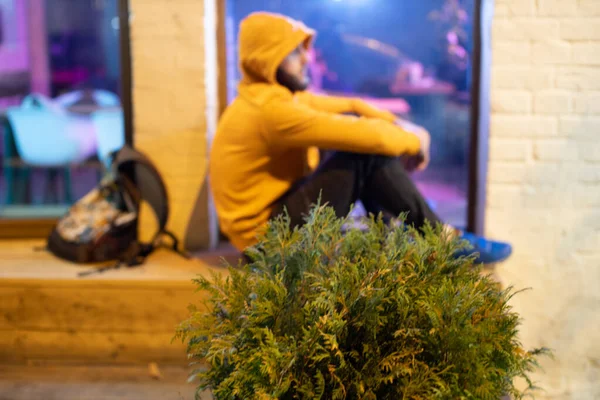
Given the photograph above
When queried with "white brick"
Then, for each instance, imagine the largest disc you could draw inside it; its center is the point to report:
(526, 29)
(501, 11)
(507, 220)
(501, 172)
(515, 8)
(535, 175)
(509, 149)
(590, 151)
(191, 57)
(566, 175)
(552, 52)
(544, 174)
(587, 196)
(580, 29)
(148, 52)
(586, 53)
(589, 8)
(510, 101)
(553, 102)
(541, 197)
(528, 78)
(580, 127)
(581, 78)
(581, 104)
(587, 103)
(557, 8)
(500, 196)
(510, 53)
(147, 98)
(555, 150)
(590, 174)
(593, 222)
(153, 19)
(589, 242)
(523, 126)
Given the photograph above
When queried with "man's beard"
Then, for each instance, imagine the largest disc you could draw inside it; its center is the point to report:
(291, 82)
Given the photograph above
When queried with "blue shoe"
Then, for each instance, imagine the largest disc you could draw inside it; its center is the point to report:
(486, 251)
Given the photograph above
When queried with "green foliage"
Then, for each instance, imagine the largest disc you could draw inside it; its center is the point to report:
(387, 314)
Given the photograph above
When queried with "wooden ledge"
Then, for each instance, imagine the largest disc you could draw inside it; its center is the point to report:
(19, 259)
(124, 316)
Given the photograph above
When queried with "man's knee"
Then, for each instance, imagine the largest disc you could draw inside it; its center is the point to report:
(376, 159)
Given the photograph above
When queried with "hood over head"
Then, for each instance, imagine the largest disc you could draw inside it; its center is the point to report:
(265, 40)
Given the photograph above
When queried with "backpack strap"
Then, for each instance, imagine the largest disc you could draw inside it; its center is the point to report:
(143, 250)
(141, 172)
(138, 171)
(175, 243)
(137, 253)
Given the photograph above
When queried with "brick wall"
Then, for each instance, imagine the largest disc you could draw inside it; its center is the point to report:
(170, 106)
(544, 180)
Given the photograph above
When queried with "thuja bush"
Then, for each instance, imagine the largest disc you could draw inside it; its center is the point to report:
(384, 314)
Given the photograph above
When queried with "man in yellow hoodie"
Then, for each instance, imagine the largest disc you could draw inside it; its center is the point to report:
(265, 150)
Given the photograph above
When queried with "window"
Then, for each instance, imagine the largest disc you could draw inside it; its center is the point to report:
(413, 58)
(60, 103)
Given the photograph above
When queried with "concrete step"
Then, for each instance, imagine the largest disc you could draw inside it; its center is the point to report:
(119, 317)
(68, 382)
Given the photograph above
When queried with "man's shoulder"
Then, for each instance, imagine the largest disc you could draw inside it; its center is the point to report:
(264, 95)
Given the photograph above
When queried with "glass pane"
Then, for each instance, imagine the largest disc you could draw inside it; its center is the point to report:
(60, 109)
(409, 57)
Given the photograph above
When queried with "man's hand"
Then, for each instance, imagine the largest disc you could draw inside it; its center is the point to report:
(419, 161)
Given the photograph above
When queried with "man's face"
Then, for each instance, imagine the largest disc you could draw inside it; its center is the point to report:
(292, 71)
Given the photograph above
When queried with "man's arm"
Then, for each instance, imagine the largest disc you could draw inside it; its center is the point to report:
(297, 125)
(340, 105)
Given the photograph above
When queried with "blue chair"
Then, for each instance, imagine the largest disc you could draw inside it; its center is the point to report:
(15, 175)
(110, 133)
(47, 136)
(103, 98)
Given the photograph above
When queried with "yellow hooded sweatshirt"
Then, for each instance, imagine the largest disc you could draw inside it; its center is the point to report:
(263, 139)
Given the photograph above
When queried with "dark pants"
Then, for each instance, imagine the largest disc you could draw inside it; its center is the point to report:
(380, 183)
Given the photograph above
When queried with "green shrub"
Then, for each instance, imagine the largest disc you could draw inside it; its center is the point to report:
(387, 314)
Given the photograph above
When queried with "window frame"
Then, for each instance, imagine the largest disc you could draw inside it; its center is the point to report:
(36, 228)
(480, 104)
(480, 115)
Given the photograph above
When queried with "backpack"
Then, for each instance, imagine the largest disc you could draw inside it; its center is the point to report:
(103, 225)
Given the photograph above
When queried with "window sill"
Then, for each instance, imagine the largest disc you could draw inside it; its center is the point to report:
(12, 228)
